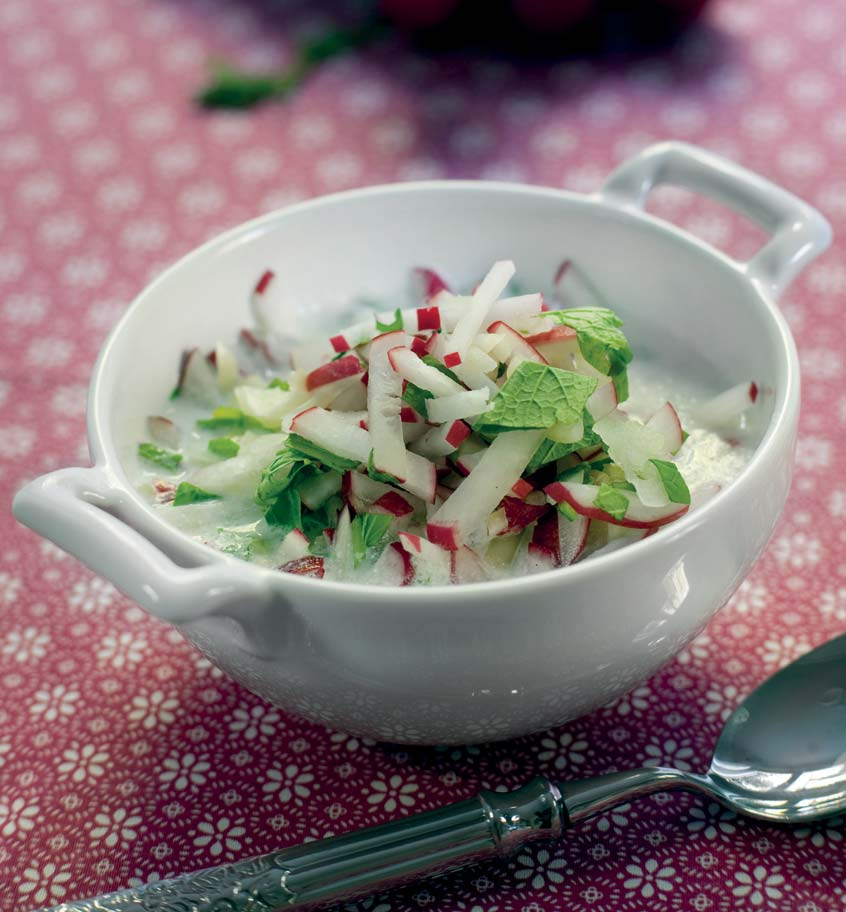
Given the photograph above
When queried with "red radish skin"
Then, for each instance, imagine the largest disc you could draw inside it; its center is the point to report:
(362, 424)
(165, 491)
(408, 415)
(339, 343)
(264, 281)
(545, 539)
(394, 503)
(443, 534)
(418, 346)
(562, 493)
(753, 392)
(428, 318)
(430, 283)
(519, 343)
(410, 542)
(305, 566)
(522, 488)
(452, 359)
(603, 401)
(572, 538)
(561, 272)
(407, 566)
(184, 360)
(556, 334)
(666, 422)
(459, 432)
(348, 366)
(518, 514)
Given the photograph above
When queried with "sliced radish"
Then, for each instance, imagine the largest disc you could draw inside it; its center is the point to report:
(163, 430)
(226, 364)
(465, 567)
(581, 498)
(544, 546)
(316, 491)
(513, 348)
(572, 537)
(602, 401)
(410, 367)
(445, 535)
(257, 309)
(728, 405)
(197, 378)
(333, 433)
(478, 307)
(466, 404)
(632, 445)
(384, 405)
(502, 463)
(308, 356)
(407, 564)
(418, 345)
(666, 422)
(431, 563)
(559, 345)
(339, 369)
(306, 566)
(513, 515)
(293, 546)
(516, 309)
(441, 441)
(394, 504)
(521, 488)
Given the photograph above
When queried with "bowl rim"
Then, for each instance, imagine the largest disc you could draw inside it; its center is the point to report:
(105, 455)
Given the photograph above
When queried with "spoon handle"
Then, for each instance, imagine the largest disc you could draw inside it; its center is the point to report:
(326, 871)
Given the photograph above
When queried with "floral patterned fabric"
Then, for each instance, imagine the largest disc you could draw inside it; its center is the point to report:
(125, 757)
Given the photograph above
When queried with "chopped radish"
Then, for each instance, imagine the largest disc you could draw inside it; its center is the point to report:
(666, 422)
(384, 404)
(293, 546)
(544, 543)
(521, 488)
(226, 364)
(311, 355)
(418, 345)
(306, 566)
(445, 535)
(465, 567)
(513, 515)
(428, 318)
(165, 491)
(394, 504)
(410, 367)
(333, 433)
(572, 537)
(407, 564)
(441, 441)
(603, 401)
(728, 405)
(254, 343)
(339, 369)
(431, 562)
(513, 348)
(260, 318)
(559, 346)
(197, 378)
(581, 498)
(316, 491)
(466, 404)
(516, 309)
(163, 430)
(427, 283)
(478, 307)
(499, 468)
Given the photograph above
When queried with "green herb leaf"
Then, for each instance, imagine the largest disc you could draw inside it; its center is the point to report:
(537, 396)
(165, 459)
(174, 393)
(601, 341)
(342, 354)
(376, 475)
(551, 450)
(234, 421)
(188, 493)
(224, 446)
(238, 544)
(416, 398)
(286, 511)
(611, 501)
(368, 531)
(501, 368)
(674, 484)
(432, 361)
(284, 471)
(325, 517)
(567, 511)
(624, 486)
(277, 383)
(302, 447)
(393, 326)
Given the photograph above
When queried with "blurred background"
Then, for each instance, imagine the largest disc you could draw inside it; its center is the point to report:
(131, 131)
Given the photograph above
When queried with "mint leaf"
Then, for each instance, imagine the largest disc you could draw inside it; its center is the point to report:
(285, 470)
(601, 341)
(369, 531)
(285, 511)
(674, 484)
(234, 421)
(624, 486)
(567, 511)
(303, 447)
(187, 493)
(551, 450)
(278, 384)
(611, 501)
(224, 446)
(432, 361)
(238, 544)
(325, 517)
(393, 326)
(417, 397)
(537, 396)
(376, 475)
(165, 459)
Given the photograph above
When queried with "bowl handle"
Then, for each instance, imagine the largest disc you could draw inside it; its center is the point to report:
(73, 508)
(799, 232)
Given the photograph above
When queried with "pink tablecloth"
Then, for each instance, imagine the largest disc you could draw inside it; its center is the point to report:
(125, 757)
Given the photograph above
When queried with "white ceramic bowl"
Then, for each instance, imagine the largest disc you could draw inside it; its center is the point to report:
(488, 660)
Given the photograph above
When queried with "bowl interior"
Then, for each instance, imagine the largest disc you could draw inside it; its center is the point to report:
(681, 303)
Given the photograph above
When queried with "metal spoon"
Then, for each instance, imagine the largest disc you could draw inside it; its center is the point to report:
(781, 757)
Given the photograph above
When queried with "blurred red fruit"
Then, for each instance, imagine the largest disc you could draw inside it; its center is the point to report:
(552, 15)
(413, 14)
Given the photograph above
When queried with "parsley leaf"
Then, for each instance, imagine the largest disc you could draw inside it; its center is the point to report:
(393, 326)
(537, 396)
(674, 484)
(369, 531)
(276, 383)
(234, 421)
(432, 361)
(611, 501)
(165, 459)
(601, 341)
(416, 397)
(303, 447)
(187, 493)
(224, 446)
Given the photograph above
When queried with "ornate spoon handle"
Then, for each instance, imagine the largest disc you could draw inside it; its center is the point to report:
(324, 872)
